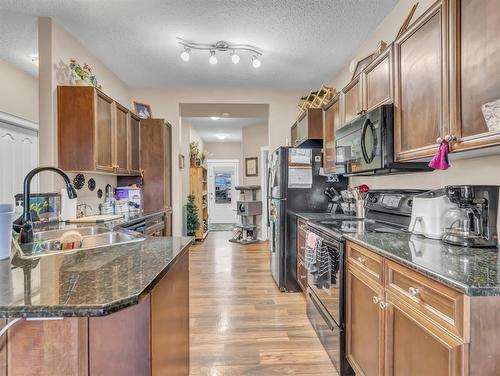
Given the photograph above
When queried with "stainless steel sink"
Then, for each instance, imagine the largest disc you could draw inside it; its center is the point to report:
(47, 243)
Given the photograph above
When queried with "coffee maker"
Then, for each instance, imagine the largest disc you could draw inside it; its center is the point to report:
(473, 223)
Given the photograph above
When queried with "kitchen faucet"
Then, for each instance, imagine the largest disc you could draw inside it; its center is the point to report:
(25, 223)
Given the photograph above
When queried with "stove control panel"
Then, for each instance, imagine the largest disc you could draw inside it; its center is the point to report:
(396, 202)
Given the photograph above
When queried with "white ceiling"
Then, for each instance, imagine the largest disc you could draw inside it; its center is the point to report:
(305, 42)
(208, 129)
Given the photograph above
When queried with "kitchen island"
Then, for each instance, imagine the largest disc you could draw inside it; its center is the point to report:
(117, 310)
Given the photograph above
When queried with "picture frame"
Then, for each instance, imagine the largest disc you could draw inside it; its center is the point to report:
(182, 162)
(251, 166)
(143, 110)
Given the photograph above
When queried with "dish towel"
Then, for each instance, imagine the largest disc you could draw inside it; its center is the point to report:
(313, 243)
(440, 160)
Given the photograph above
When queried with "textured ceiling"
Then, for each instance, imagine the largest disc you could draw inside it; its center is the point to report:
(233, 110)
(208, 129)
(305, 42)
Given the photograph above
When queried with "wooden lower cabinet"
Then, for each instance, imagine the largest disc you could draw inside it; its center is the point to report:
(386, 335)
(147, 339)
(415, 346)
(364, 324)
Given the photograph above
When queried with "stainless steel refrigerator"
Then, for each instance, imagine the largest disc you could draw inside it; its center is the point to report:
(294, 186)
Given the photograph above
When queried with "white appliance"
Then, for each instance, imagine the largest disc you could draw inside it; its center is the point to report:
(427, 214)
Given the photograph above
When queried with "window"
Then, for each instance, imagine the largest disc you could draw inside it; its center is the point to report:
(223, 187)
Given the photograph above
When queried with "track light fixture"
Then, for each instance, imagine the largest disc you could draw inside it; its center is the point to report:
(221, 46)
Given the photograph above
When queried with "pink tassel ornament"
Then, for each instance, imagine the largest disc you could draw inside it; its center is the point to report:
(440, 160)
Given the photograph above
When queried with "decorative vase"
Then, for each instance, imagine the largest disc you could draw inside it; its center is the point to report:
(82, 83)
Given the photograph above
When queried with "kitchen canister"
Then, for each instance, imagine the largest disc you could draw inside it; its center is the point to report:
(6, 212)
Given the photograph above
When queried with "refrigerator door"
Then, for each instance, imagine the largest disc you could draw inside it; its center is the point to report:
(276, 241)
(277, 174)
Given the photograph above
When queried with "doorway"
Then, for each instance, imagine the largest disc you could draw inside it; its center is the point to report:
(223, 176)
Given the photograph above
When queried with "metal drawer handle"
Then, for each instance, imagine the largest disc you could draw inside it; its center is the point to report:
(413, 291)
(376, 300)
(361, 260)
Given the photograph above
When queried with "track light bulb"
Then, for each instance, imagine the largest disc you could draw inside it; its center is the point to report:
(256, 62)
(185, 54)
(212, 59)
(235, 58)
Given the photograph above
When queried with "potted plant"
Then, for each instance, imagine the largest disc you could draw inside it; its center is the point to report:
(204, 156)
(192, 220)
(82, 76)
(194, 152)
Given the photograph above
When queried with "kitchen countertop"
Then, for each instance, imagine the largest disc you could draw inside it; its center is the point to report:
(318, 216)
(88, 282)
(473, 271)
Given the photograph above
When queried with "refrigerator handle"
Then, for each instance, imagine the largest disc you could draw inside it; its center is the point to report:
(268, 194)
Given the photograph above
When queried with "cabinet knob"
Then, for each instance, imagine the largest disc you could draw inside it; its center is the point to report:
(450, 138)
(376, 300)
(413, 291)
(383, 304)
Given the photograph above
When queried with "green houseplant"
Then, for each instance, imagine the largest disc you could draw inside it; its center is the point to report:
(193, 221)
(194, 152)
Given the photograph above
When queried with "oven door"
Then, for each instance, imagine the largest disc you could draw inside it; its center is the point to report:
(329, 297)
(327, 330)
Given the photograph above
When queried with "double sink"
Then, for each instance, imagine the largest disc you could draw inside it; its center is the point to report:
(46, 243)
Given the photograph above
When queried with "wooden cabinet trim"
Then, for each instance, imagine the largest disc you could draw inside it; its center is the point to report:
(388, 53)
(441, 304)
(439, 8)
(367, 261)
(356, 82)
(458, 354)
(362, 276)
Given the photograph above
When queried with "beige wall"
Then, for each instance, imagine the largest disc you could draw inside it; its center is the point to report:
(224, 150)
(19, 93)
(479, 170)
(254, 138)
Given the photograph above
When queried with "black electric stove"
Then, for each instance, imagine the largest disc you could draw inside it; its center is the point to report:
(386, 211)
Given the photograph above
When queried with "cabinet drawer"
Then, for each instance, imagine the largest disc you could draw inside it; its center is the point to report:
(440, 303)
(366, 260)
(302, 275)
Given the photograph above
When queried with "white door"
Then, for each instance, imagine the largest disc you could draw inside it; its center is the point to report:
(18, 155)
(223, 176)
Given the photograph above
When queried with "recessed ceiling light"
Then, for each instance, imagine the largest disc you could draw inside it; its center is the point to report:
(221, 136)
(214, 117)
(225, 114)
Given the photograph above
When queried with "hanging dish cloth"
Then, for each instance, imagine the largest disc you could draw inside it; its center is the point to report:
(313, 243)
(440, 160)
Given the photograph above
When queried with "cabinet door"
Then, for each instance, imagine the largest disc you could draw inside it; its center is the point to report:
(377, 81)
(352, 103)
(475, 73)
(135, 144)
(330, 124)
(104, 133)
(415, 346)
(421, 94)
(364, 324)
(121, 139)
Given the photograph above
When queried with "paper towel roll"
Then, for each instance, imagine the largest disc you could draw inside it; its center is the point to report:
(68, 206)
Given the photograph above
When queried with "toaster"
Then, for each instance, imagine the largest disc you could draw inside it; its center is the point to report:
(427, 214)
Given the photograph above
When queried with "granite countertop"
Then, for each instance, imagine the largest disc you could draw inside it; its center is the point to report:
(86, 283)
(473, 271)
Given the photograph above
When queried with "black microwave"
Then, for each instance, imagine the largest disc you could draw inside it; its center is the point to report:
(365, 146)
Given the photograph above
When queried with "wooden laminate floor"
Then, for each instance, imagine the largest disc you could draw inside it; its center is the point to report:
(240, 323)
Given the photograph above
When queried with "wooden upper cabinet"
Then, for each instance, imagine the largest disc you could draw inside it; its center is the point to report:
(352, 100)
(421, 95)
(416, 346)
(378, 81)
(308, 130)
(104, 133)
(331, 122)
(475, 72)
(121, 139)
(135, 143)
(364, 323)
(94, 132)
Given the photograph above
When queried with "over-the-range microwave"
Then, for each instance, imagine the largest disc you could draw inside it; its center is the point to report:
(365, 146)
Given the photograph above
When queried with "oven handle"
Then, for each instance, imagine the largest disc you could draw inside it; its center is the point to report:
(320, 310)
